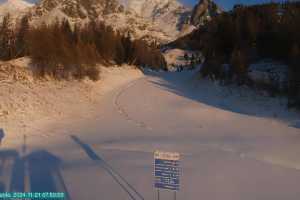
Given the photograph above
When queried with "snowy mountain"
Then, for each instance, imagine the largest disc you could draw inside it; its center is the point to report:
(155, 20)
(161, 20)
(14, 7)
(155, 9)
(74, 9)
(204, 11)
(109, 11)
(168, 15)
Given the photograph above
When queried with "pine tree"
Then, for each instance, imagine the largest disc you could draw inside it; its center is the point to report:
(294, 76)
(128, 48)
(67, 30)
(6, 39)
(22, 34)
(186, 57)
(239, 65)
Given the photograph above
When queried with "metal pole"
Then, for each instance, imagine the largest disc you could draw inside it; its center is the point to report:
(24, 145)
(175, 195)
(158, 198)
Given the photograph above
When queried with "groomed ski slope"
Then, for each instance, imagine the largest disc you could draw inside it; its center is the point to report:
(235, 144)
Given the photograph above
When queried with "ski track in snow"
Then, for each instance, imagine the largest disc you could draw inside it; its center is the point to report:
(122, 111)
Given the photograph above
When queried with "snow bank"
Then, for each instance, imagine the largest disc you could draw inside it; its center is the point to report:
(26, 102)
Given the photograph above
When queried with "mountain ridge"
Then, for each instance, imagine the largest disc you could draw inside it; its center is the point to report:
(15, 8)
(155, 20)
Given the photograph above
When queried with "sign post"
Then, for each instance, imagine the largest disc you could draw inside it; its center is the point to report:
(166, 172)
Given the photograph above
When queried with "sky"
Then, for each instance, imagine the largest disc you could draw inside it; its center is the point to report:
(228, 4)
(225, 4)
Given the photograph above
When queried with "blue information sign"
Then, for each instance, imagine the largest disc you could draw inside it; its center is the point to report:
(167, 171)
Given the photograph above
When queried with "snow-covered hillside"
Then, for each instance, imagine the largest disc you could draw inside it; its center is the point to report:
(15, 8)
(26, 100)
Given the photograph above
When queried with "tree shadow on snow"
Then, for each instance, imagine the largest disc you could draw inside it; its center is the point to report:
(2, 135)
(118, 178)
(235, 99)
(39, 171)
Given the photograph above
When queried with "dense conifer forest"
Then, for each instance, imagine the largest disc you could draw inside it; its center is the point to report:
(64, 51)
(246, 35)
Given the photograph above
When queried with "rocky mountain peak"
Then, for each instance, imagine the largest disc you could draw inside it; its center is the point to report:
(203, 11)
(77, 8)
(151, 8)
(15, 8)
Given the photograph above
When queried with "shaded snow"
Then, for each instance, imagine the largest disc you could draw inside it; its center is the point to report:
(270, 73)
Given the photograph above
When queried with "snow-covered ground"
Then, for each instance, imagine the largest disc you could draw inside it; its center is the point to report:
(235, 144)
(27, 103)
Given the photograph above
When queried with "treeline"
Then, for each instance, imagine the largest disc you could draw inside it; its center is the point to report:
(62, 51)
(248, 34)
